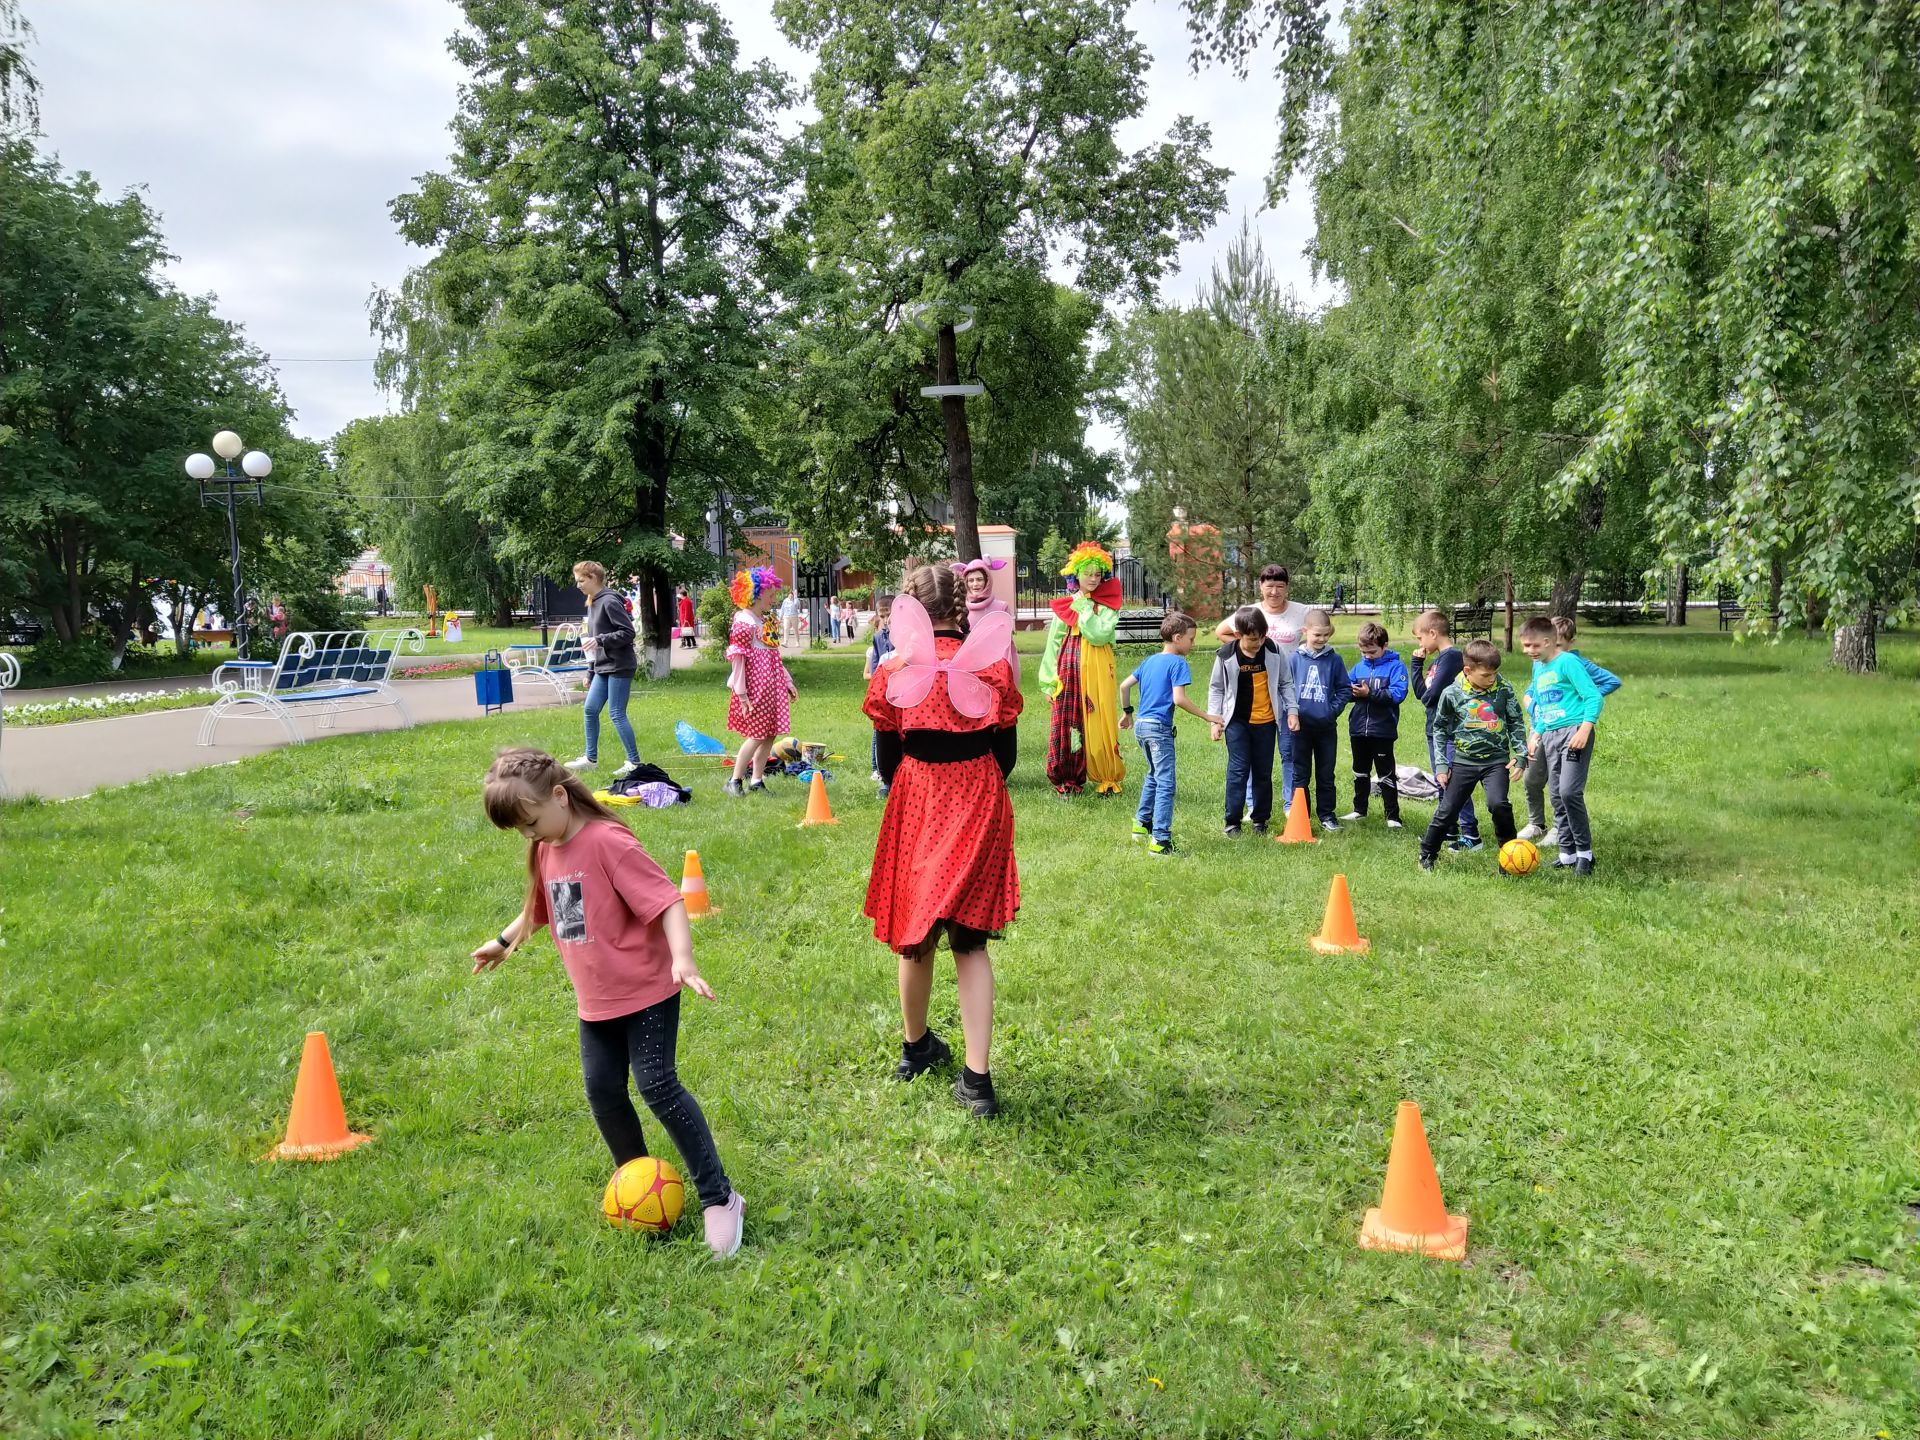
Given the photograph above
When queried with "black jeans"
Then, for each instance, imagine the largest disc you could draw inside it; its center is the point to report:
(1314, 751)
(1460, 782)
(1374, 753)
(644, 1043)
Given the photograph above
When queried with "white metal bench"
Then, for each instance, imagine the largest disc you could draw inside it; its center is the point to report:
(562, 663)
(9, 678)
(331, 673)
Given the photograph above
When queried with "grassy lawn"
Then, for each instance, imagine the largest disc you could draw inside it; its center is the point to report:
(1678, 1103)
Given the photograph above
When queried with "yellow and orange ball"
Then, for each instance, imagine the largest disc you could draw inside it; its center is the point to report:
(645, 1194)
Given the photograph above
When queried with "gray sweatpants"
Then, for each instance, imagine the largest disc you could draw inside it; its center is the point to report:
(1567, 785)
(1534, 777)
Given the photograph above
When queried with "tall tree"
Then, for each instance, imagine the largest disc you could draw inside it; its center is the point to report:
(1743, 205)
(610, 178)
(958, 149)
(108, 376)
(1211, 426)
(19, 89)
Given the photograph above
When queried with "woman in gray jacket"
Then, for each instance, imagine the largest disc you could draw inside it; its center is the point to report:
(611, 657)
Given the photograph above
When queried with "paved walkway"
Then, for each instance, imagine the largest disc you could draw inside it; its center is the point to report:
(60, 762)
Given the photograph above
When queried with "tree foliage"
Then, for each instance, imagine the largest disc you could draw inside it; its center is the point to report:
(958, 150)
(610, 182)
(108, 377)
(1722, 204)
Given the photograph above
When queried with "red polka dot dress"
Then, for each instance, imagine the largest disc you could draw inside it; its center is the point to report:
(945, 850)
(760, 674)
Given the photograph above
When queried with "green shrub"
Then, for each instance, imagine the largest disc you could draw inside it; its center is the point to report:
(84, 661)
(715, 613)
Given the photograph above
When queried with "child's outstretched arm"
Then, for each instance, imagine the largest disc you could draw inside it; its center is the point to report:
(679, 931)
(1181, 701)
(489, 955)
(1131, 683)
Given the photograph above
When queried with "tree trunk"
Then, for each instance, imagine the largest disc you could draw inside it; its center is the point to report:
(652, 624)
(502, 608)
(1853, 645)
(1677, 595)
(1565, 597)
(1775, 580)
(960, 493)
(1509, 612)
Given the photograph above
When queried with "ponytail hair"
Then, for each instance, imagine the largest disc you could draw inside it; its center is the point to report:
(520, 779)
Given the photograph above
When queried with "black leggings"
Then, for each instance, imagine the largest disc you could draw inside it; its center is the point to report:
(1374, 753)
(644, 1042)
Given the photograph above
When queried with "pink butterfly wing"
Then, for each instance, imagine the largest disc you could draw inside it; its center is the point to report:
(913, 660)
(986, 643)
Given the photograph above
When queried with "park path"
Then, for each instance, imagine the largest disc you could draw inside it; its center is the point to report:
(62, 762)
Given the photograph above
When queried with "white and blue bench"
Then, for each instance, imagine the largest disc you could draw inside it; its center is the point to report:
(561, 663)
(327, 674)
(9, 678)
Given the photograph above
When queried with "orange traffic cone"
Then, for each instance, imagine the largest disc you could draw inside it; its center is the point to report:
(693, 888)
(317, 1125)
(819, 812)
(1299, 829)
(1411, 1215)
(1338, 934)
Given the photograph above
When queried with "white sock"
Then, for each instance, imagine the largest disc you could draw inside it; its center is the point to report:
(1583, 854)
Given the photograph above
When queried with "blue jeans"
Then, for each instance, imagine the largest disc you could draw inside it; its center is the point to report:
(1469, 828)
(605, 691)
(1250, 770)
(1156, 791)
(1284, 739)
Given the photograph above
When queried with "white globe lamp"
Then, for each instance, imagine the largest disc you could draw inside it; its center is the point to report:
(258, 464)
(200, 467)
(227, 445)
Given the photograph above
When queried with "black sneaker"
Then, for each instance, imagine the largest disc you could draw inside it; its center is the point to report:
(1583, 866)
(1259, 827)
(1426, 861)
(1232, 832)
(932, 1051)
(758, 787)
(734, 787)
(976, 1095)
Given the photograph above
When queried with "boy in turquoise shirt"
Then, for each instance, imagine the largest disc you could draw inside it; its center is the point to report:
(1564, 704)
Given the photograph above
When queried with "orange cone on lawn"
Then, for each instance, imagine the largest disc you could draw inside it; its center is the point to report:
(1411, 1215)
(317, 1125)
(819, 812)
(1299, 829)
(1338, 934)
(693, 888)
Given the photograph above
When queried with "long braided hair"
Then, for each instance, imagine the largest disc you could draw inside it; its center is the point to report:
(520, 778)
(942, 593)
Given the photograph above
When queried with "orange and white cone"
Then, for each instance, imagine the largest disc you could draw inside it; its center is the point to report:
(1338, 934)
(317, 1124)
(1411, 1216)
(1299, 829)
(819, 812)
(693, 888)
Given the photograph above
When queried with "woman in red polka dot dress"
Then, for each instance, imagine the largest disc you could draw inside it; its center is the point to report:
(758, 683)
(942, 705)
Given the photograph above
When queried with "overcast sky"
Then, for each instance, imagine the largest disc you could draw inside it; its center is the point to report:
(270, 138)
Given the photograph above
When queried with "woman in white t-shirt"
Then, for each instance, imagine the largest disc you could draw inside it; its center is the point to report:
(1284, 620)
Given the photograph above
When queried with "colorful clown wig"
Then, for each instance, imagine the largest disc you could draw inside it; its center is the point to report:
(749, 585)
(1087, 554)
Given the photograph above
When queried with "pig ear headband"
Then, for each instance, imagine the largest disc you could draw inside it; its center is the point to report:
(983, 564)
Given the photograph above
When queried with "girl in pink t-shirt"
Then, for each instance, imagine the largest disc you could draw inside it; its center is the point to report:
(622, 932)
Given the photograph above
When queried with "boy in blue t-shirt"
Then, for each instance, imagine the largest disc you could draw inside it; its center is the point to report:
(1162, 681)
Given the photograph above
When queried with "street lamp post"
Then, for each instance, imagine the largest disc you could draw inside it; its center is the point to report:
(221, 485)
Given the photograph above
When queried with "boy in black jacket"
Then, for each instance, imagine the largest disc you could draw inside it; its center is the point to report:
(1436, 665)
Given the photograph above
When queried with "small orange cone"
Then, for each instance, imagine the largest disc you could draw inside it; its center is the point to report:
(1411, 1215)
(819, 812)
(317, 1125)
(1338, 934)
(693, 888)
(1299, 829)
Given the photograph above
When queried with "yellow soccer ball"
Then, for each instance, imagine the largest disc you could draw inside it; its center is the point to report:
(644, 1194)
(1518, 857)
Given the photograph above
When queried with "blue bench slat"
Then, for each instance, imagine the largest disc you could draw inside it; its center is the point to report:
(340, 693)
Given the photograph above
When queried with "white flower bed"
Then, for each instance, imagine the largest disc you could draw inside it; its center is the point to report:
(81, 707)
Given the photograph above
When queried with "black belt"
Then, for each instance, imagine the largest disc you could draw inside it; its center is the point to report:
(947, 747)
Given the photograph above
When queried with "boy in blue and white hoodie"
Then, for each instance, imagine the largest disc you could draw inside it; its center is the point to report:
(1322, 691)
(1379, 684)
(1539, 823)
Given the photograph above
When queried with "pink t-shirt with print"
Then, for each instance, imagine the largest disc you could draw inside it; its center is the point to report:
(603, 896)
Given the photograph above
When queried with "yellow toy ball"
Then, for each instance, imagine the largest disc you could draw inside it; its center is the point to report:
(1518, 857)
(644, 1194)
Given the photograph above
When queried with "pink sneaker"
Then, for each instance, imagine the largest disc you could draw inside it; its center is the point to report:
(725, 1223)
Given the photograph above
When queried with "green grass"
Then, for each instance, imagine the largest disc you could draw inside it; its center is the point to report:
(73, 709)
(1677, 1102)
